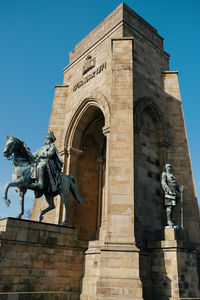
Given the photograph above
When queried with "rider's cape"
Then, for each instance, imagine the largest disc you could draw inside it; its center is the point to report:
(54, 167)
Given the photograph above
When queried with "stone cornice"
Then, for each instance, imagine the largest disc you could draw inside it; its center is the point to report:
(169, 72)
(62, 85)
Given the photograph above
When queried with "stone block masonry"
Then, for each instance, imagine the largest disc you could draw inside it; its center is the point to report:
(174, 268)
(38, 258)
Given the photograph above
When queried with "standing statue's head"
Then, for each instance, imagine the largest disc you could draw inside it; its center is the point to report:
(168, 168)
(50, 137)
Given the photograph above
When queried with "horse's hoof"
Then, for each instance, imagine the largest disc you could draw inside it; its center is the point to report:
(18, 216)
(40, 218)
(7, 202)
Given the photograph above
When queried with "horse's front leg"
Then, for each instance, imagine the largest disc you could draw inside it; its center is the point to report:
(21, 193)
(5, 195)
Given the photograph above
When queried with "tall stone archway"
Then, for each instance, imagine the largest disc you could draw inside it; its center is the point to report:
(86, 160)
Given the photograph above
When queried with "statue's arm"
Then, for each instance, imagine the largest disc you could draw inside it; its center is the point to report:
(164, 183)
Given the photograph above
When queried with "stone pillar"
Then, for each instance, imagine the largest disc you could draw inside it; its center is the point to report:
(112, 263)
(120, 204)
(100, 164)
(103, 228)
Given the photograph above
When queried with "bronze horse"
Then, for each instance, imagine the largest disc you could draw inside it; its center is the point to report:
(17, 151)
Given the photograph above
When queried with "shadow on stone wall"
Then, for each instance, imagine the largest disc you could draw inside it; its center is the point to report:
(156, 283)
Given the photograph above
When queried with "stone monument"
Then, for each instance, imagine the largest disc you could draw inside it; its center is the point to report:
(118, 120)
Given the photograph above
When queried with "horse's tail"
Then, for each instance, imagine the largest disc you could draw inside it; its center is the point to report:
(74, 189)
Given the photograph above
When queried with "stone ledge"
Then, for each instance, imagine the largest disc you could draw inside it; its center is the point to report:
(173, 245)
(172, 238)
(31, 223)
(171, 234)
(40, 296)
(33, 232)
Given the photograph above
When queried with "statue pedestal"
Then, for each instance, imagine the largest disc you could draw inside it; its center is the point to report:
(39, 260)
(174, 265)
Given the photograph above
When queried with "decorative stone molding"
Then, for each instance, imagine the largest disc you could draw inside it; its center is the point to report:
(164, 142)
(62, 152)
(94, 99)
(75, 152)
(62, 85)
(106, 130)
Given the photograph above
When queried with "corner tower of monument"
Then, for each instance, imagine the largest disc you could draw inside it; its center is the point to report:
(118, 119)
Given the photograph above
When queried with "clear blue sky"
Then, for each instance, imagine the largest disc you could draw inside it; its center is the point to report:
(36, 37)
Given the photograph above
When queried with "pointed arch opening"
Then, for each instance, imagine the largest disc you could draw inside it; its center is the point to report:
(151, 144)
(86, 160)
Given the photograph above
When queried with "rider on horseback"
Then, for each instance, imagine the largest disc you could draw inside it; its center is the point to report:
(48, 179)
(48, 165)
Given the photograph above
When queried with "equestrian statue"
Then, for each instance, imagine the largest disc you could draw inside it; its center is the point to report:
(40, 172)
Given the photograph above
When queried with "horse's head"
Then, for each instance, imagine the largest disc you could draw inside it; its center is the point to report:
(19, 149)
(9, 147)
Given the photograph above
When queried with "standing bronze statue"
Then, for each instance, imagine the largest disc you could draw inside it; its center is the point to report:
(172, 192)
(40, 172)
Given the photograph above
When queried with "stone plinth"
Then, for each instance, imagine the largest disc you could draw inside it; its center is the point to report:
(174, 266)
(111, 272)
(38, 258)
